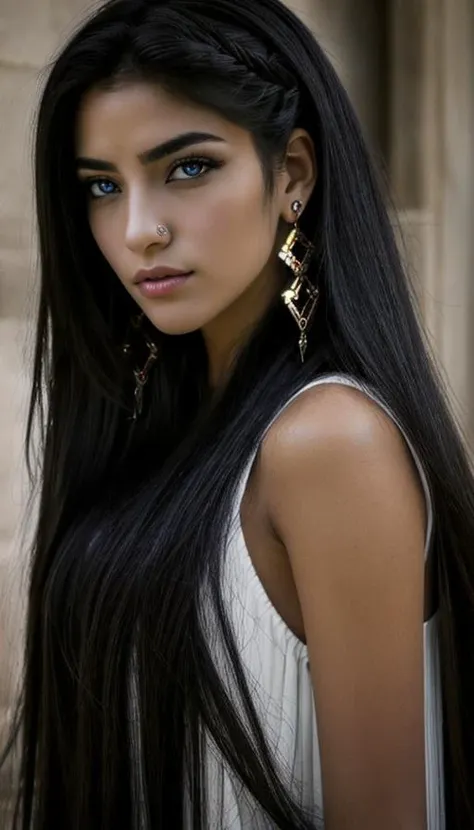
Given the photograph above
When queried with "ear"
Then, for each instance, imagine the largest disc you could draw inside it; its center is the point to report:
(299, 174)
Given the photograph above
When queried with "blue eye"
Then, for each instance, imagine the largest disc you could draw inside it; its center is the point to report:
(98, 188)
(193, 168)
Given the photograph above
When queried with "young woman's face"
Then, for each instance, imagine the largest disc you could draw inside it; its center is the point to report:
(207, 189)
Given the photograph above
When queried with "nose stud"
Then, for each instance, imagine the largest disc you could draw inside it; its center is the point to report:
(162, 231)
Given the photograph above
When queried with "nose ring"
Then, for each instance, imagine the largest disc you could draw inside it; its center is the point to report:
(162, 231)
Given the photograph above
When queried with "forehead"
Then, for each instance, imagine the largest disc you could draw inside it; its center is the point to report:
(138, 115)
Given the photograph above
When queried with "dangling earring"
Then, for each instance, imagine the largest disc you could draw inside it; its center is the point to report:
(141, 375)
(298, 259)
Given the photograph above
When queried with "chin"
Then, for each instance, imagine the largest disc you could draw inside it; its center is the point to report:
(173, 327)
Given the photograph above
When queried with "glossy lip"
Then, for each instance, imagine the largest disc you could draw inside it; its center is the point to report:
(160, 273)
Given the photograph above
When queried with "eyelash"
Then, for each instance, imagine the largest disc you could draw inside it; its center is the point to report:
(211, 164)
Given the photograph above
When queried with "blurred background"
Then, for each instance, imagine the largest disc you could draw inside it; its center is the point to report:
(409, 68)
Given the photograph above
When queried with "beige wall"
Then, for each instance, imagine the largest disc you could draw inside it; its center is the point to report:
(409, 68)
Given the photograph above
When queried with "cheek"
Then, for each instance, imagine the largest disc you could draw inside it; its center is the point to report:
(236, 230)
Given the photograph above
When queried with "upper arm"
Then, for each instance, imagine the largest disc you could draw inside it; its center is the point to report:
(346, 501)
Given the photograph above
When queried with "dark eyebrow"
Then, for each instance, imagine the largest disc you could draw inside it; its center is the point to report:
(174, 145)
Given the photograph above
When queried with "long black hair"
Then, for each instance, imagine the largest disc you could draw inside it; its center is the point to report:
(134, 517)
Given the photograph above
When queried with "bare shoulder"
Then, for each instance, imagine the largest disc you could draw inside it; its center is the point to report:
(346, 502)
(336, 448)
(334, 426)
(337, 470)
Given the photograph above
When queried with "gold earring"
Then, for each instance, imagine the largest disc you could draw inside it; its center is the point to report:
(301, 297)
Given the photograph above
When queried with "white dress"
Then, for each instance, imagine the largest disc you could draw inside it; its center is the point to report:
(277, 668)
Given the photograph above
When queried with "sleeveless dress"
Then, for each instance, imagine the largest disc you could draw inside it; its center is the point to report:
(277, 669)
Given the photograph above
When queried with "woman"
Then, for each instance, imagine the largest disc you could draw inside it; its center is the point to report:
(255, 542)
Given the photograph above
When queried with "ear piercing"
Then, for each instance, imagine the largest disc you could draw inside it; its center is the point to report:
(297, 207)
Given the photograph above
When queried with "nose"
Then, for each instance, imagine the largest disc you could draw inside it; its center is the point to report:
(145, 228)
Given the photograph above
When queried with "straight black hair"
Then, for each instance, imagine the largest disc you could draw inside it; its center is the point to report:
(134, 517)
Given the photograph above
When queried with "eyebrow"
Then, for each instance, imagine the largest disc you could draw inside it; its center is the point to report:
(161, 151)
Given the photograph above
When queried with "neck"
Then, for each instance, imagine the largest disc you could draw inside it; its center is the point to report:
(228, 332)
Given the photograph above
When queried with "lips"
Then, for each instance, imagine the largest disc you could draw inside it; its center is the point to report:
(166, 285)
(160, 273)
